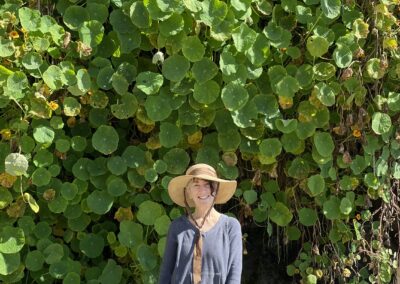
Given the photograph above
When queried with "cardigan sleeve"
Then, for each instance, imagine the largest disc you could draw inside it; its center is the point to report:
(169, 258)
(236, 253)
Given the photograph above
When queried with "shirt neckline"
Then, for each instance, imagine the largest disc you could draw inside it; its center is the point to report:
(219, 221)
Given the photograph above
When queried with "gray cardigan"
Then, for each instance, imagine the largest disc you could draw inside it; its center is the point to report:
(221, 258)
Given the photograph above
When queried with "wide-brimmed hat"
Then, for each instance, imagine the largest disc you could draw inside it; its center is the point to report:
(176, 187)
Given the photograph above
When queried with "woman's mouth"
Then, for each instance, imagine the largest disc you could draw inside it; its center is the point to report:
(203, 197)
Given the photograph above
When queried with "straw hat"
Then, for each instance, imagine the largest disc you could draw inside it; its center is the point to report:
(202, 171)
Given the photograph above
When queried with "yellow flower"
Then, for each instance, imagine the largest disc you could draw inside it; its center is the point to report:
(356, 133)
(53, 105)
(5, 134)
(14, 34)
(346, 273)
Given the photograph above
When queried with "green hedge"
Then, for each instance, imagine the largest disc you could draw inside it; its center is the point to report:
(103, 102)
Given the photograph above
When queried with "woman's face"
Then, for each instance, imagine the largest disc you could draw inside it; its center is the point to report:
(200, 192)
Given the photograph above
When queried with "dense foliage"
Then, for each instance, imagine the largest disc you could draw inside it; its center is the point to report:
(104, 101)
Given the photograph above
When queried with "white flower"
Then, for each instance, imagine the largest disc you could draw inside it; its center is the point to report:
(158, 57)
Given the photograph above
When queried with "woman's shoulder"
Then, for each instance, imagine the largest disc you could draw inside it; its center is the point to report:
(179, 223)
(233, 224)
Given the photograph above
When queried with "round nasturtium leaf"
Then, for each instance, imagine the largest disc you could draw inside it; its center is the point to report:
(72, 278)
(34, 260)
(325, 93)
(53, 77)
(148, 212)
(207, 92)
(177, 160)
(149, 82)
(83, 80)
(9, 263)
(316, 184)
(234, 96)
(126, 107)
(157, 108)
(317, 45)
(346, 206)
(134, 157)
(250, 196)
(192, 48)
(381, 123)
(92, 245)
(204, 70)
(307, 216)
(324, 71)
(104, 78)
(91, 33)
(16, 164)
(11, 239)
(105, 139)
(131, 234)
(343, 56)
(331, 208)
(71, 106)
(270, 147)
(78, 143)
(175, 68)
(5, 198)
(324, 143)
(17, 81)
(286, 125)
(331, 8)
(170, 134)
(116, 165)
(74, 16)
(280, 214)
(161, 225)
(287, 86)
(41, 177)
(100, 202)
(140, 15)
(43, 134)
(119, 83)
(293, 233)
(171, 26)
(229, 140)
(116, 187)
(374, 68)
(69, 190)
(111, 274)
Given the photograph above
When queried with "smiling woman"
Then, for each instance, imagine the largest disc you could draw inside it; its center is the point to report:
(204, 246)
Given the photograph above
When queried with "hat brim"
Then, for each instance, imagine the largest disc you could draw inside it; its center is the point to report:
(177, 185)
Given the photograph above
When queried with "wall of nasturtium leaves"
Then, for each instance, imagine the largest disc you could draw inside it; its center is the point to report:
(103, 101)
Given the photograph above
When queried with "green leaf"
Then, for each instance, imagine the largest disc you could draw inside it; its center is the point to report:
(17, 81)
(53, 77)
(41, 177)
(381, 123)
(149, 212)
(324, 143)
(75, 16)
(83, 80)
(243, 37)
(91, 33)
(343, 56)
(100, 202)
(97, 11)
(287, 86)
(177, 160)
(325, 94)
(213, 12)
(116, 186)
(111, 274)
(92, 245)
(149, 82)
(170, 134)
(193, 49)
(307, 216)
(316, 185)
(280, 214)
(34, 260)
(140, 15)
(16, 164)
(331, 208)
(175, 68)
(234, 96)
(126, 107)
(5, 198)
(9, 263)
(30, 19)
(346, 206)
(43, 134)
(259, 51)
(105, 139)
(162, 224)
(331, 8)
(207, 92)
(374, 69)
(229, 140)
(131, 234)
(270, 147)
(171, 26)
(324, 71)
(317, 45)
(71, 106)
(286, 125)
(204, 70)
(250, 196)
(12, 240)
(157, 108)
(147, 257)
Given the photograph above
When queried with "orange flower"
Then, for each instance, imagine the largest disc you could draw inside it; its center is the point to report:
(53, 105)
(356, 133)
(5, 134)
(14, 34)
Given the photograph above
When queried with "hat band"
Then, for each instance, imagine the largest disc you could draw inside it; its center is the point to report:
(203, 171)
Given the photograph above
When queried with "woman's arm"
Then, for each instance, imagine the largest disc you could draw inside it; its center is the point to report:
(235, 254)
(169, 258)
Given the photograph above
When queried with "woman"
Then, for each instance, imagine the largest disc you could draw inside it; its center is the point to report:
(204, 246)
